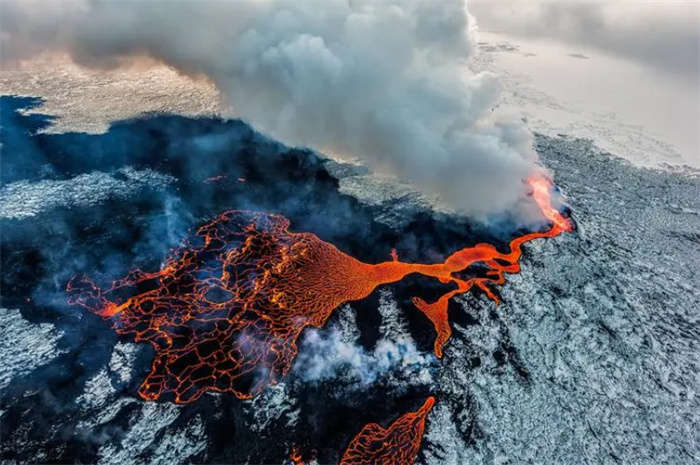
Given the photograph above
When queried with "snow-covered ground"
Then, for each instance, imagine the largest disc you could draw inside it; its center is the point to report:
(24, 345)
(23, 199)
(85, 100)
(635, 112)
(605, 327)
(602, 323)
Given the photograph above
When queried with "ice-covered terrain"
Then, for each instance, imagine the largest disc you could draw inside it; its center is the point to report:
(635, 112)
(22, 199)
(24, 345)
(593, 356)
(90, 100)
(606, 328)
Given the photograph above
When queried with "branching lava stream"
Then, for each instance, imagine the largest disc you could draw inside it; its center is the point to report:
(225, 311)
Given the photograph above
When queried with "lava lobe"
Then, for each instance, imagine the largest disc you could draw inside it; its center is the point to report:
(397, 445)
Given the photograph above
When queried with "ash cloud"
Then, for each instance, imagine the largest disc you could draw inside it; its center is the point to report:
(662, 34)
(384, 82)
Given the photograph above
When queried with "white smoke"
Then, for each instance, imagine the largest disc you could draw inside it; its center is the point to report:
(335, 353)
(326, 355)
(386, 82)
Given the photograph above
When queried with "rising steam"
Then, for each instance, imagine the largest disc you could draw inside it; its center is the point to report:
(385, 82)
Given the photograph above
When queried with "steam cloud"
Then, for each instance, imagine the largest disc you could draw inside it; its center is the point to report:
(385, 82)
(327, 356)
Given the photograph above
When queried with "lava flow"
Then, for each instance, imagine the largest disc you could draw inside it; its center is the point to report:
(226, 310)
(397, 445)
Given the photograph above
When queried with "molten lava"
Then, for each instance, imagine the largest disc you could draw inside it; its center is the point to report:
(499, 264)
(296, 457)
(397, 445)
(226, 310)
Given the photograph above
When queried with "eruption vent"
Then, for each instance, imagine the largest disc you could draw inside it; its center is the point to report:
(396, 445)
(226, 310)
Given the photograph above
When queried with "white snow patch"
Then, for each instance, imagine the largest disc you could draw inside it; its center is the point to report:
(181, 445)
(24, 345)
(23, 199)
(86, 100)
(122, 360)
(100, 395)
(98, 390)
(140, 435)
(271, 405)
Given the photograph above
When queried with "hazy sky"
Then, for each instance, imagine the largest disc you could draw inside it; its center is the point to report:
(662, 34)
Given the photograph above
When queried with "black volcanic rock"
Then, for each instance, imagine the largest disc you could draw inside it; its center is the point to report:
(592, 356)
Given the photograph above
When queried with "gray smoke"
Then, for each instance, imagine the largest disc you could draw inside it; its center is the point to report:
(386, 82)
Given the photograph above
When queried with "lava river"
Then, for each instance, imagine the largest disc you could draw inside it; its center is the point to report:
(226, 310)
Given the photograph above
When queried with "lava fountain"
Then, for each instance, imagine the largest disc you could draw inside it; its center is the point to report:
(226, 310)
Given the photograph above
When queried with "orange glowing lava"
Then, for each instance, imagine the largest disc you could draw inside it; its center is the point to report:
(296, 457)
(396, 445)
(225, 311)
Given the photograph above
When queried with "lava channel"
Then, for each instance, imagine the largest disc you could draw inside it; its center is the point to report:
(397, 445)
(225, 311)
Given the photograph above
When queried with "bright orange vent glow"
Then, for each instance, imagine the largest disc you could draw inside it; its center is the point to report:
(396, 445)
(226, 310)
(296, 457)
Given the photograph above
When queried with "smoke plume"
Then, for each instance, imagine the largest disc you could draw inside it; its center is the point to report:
(384, 82)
